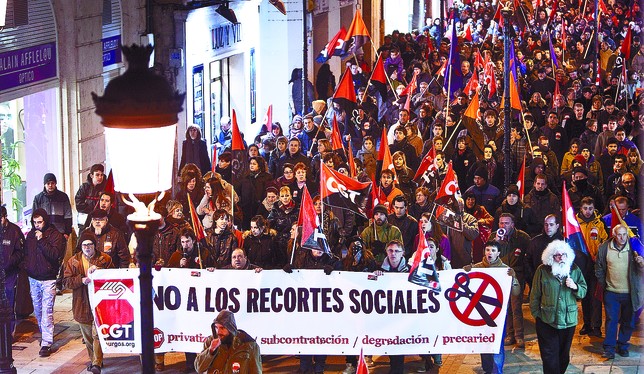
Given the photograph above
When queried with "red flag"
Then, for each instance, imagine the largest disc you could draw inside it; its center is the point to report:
(411, 87)
(498, 17)
(341, 191)
(377, 197)
(615, 218)
(553, 12)
(422, 251)
(379, 77)
(521, 180)
(490, 79)
(473, 84)
(196, 224)
(478, 61)
(268, 120)
(239, 162)
(449, 188)
(237, 140)
(109, 185)
(346, 90)
(564, 44)
(441, 71)
(352, 164)
(312, 236)
(467, 33)
(626, 44)
(336, 141)
(425, 164)
(603, 8)
(362, 367)
(357, 34)
(387, 161)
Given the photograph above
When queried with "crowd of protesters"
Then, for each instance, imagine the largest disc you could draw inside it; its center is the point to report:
(578, 129)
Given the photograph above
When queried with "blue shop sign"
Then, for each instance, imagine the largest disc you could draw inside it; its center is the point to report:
(111, 50)
(26, 66)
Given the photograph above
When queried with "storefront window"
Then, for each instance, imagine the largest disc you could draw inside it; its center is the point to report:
(31, 147)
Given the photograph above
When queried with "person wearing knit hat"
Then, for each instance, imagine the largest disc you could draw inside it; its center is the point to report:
(51, 197)
(228, 349)
(379, 233)
(487, 195)
(49, 177)
(512, 190)
(109, 239)
(77, 277)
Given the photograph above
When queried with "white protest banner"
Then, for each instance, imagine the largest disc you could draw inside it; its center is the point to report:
(308, 312)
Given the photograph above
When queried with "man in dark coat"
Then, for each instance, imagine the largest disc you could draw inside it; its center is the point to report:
(44, 252)
(89, 192)
(56, 204)
(11, 246)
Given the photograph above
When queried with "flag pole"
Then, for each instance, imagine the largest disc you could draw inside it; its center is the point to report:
(347, 71)
(388, 79)
(294, 244)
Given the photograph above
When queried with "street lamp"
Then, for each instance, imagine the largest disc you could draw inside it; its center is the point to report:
(507, 110)
(139, 112)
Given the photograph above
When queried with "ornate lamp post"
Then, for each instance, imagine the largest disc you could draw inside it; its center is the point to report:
(139, 112)
(507, 111)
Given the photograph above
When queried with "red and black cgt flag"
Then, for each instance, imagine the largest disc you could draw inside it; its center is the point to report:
(312, 235)
(338, 190)
(379, 77)
(240, 156)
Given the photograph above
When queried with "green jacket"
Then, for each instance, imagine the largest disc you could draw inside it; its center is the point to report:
(385, 234)
(244, 351)
(554, 303)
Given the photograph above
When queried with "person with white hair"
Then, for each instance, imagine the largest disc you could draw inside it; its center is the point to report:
(556, 287)
(619, 271)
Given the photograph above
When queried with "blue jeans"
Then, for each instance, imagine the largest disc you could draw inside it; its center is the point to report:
(43, 295)
(493, 363)
(619, 309)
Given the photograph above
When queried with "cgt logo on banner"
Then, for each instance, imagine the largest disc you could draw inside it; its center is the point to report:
(114, 312)
(308, 312)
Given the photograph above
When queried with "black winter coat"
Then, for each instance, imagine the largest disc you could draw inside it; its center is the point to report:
(11, 245)
(43, 257)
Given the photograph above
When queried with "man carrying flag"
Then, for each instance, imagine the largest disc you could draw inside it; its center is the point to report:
(594, 232)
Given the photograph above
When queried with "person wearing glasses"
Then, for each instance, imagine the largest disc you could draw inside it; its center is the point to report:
(556, 287)
(394, 263)
(78, 270)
